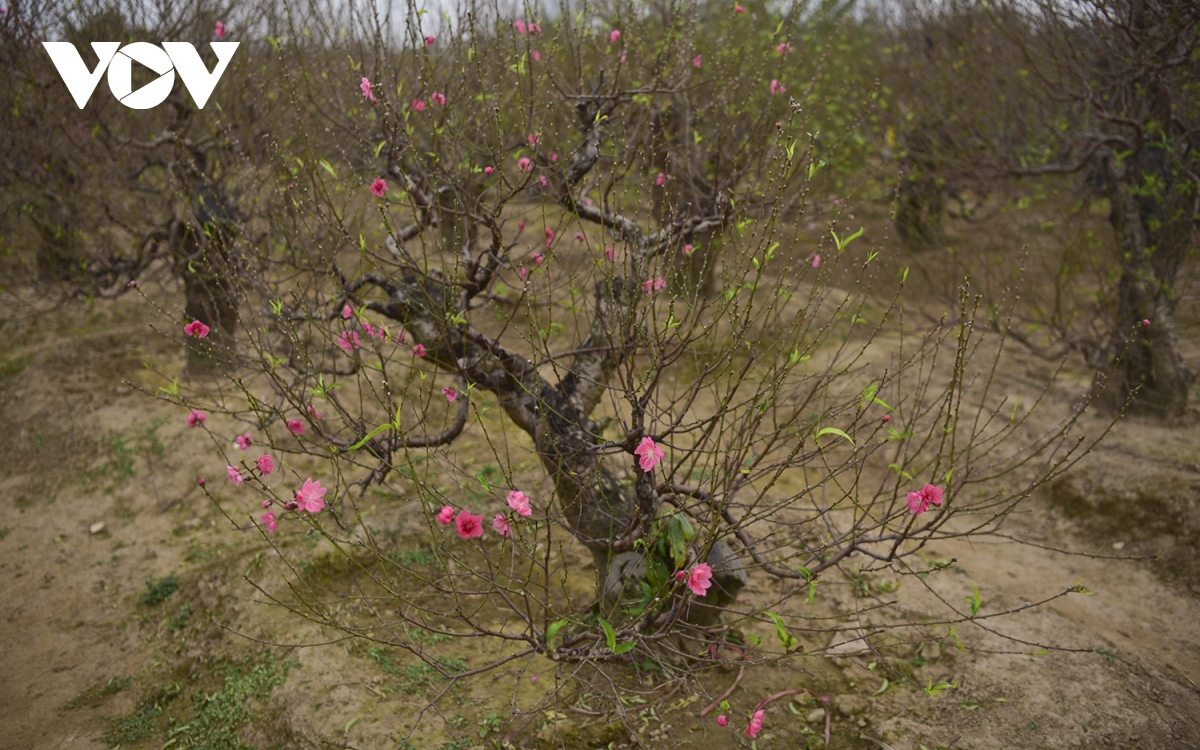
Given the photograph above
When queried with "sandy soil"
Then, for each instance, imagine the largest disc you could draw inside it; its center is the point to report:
(81, 448)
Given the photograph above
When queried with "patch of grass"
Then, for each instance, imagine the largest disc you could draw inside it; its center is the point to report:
(94, 695)
(158, 591)
(125, 730)
(410, 557)
(202, 552)
(12, 368)
(181, 619)
(220, 716)
(4, 532)
(415, 678)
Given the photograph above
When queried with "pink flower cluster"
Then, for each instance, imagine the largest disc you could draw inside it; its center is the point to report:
(657, 284)
(470, 525)
(919, 501)
(649, 454)
(197, 329)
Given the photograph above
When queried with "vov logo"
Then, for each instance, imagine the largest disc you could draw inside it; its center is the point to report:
(164, 60)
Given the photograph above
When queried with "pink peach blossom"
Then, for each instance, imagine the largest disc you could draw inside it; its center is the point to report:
(518, 502)
(739, 9)
(315, 414)
(523, 272)
(648, 454)
(650, 286)
(538, 258)
(197, 329)
(379, 187)
(445, 515)
(543, 180)
(756, 725)
(919, 501)
(469, 525)
(418, 350)
(519, 25)
(777, 87)
(686, 250)
(579, 237)
(487, 170)
(429, 40)
(700, 579)
(349, 341)
(219, 31)
(310, 496)
(537, 57)
(418, 105)
(365, 86)
(233, 475)
(295, 426)
(609, 254)
(534, 139)
(722, 721)
(196, 418)
(524, 164)
(450, 393)
(614, 36)
(266, 464)
(783, 48)
(816, 261)
(438, 98)
(244, 441)
(347, 312)
(268, 520)
(660, 179)
(535, 28)
(500, 523)
(696, 61)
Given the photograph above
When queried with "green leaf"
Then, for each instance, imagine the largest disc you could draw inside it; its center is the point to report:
(786, 639)
(624, 647)
(328, 168)
(609, 634)
(883, 688)
(834, 431)
(843, 243)
(935, 690)
(379, 148)
(552, 631)
(974, 600)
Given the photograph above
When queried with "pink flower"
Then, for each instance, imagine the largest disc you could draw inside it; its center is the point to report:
(233, 475)
(438, 98)
(554, 156)
(534, 139)
(837, 201)
(660, 179)
(756, 723)
(268, 520)
(524, 164)
(549, 236)
(219, 31)
(349, 341)
(450, 393)
(696, 63)
(429, 40)
(919, 501)
(315, 414)
(197, 329)
(378, 188)
(777, 87)
(487, 170)
(886, 418)
(309, 497)
(418, 350)
(538, 258)
(200, 481)
(468, 524)
(579, 236)
(266, 464)
(722, 721)
(371, 330)
(542, 180)
(445, 515)
(700, 579)
(783, 48)
(739, 9)
(537, 57)
(680, 575)
(521, 226)
(518, 502)
(609, 254)
(347, 311)
(535, 28)
(244, 441)
(519, 25)
(499, 523)
(533, 678)
(614, 36)
(1146, 323)
(365, 86)
(295, 426)
(816, 261)
(686, 250)
(196, 418)
(648, 454)
(523, 272)
(418, 105)
(650, 286)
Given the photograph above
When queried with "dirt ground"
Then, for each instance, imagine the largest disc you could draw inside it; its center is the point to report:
(90, 659)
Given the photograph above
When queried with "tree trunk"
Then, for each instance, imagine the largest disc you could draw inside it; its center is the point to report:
(1152, 237)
